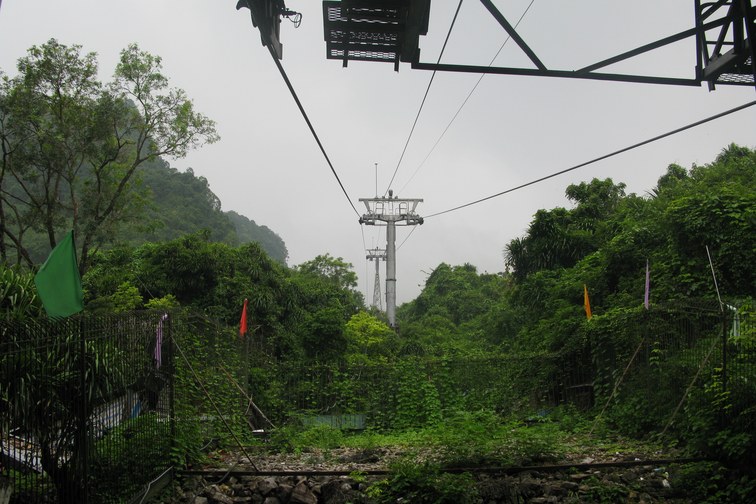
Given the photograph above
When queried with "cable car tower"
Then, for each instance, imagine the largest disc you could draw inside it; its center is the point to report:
(394, 212)
(376, 255)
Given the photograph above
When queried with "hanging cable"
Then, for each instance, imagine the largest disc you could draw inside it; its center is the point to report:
(309, 124)
(606, 156)
(427, 90)
(407, 237)
(466, 99)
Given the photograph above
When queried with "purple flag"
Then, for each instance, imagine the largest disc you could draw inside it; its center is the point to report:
(159, 342)
(648, 285)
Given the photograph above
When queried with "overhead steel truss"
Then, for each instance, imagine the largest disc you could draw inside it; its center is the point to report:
(389, 30)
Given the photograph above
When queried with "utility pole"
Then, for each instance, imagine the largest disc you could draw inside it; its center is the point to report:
(393, 211)
(377, 255)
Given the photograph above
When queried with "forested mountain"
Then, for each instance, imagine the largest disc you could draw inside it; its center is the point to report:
(84, 155)
(248, 231)
(178, 203)
(181, 203)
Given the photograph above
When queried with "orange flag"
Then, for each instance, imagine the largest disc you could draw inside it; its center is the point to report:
(586, 303)
(243, 321)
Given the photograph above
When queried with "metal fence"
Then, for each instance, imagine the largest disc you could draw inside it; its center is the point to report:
(639, 365)
(97, 409)
(94, 409)
(84, 406)
(650, 368)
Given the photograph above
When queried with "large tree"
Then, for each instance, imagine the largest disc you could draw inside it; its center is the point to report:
(71, 145)
(559, 238)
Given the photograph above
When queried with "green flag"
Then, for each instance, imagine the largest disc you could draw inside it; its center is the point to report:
(58, 281)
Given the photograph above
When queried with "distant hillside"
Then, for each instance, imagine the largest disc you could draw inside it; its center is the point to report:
(179, 203)
(173, 204)
(248, 231)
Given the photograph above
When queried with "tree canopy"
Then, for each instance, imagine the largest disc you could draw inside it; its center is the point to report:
(604, 242)
(71, 144)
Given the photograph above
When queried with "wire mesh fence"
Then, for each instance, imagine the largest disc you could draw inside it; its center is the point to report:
(211, 376)
(84, 406)
(639, 365)
(94, 409)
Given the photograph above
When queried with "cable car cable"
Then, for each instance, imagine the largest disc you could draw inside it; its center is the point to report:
(466, 100)
(427, 90)
(309, 124)
(606, 156)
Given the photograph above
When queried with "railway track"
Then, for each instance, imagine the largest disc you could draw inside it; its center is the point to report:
(510, 470)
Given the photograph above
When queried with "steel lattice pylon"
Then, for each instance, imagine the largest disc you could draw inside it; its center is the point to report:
(377, 255)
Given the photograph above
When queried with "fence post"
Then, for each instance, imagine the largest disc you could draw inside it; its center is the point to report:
(244, 372)
(83, 434)
(168, 328)
(724, 350)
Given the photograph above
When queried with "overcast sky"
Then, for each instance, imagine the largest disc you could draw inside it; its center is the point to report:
(512, 130)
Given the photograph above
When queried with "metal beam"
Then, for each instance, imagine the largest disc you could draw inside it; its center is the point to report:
(642, 79)
(653, 45)
(513, 33)
(749, 15)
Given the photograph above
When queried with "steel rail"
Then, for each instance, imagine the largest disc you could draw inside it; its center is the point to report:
(454, 470)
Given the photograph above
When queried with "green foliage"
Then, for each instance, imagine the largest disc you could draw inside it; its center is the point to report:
(369, 340)
(167, 302)
(450, 314)
(182, 203)
(323, 337)
(18, 295)
(424, 483)
(600, 492)
(125, 456)
(719, 416)
(477, 348)
(322, 437)
(417, 400)
(208, 375)
(72, 145)
(177, 204)
(249, 231)
(714, 483)
(126, 298)
(559, 238)
(198, 274)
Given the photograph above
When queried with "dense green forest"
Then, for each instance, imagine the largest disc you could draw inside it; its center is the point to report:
(604, 242)
(514, 329)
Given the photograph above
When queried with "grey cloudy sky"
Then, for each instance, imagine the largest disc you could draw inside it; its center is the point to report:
(513, 129)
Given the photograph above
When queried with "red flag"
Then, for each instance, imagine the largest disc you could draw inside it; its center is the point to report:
(243, 321)
(586, 302)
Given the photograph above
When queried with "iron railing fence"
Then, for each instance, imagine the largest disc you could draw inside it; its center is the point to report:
(84, 406)
(641, 364)
(380, 394)
(211, 381)
(94, 408)
(650, 367)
